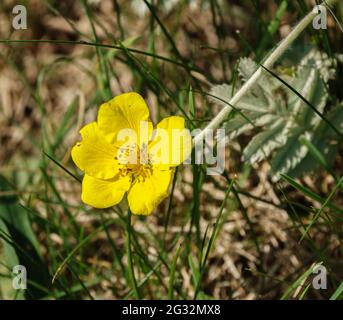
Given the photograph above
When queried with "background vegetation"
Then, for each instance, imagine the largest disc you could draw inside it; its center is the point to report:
(255, 232)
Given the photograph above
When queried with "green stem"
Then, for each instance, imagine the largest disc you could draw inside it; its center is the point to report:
(129, 258)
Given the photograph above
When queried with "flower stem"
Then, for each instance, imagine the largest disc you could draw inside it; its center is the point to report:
(268, 63)
(129, 258)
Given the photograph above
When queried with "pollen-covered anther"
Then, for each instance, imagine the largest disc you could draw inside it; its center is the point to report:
(135, 162)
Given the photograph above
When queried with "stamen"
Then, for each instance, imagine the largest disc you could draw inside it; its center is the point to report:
(139, 168)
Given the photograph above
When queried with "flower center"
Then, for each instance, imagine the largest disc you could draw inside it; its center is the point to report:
(135, 162)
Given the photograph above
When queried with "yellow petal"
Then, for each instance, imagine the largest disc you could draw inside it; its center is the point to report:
(103, 193)
(94, 154)
(145, 195)
(172, 142)
(123, 112)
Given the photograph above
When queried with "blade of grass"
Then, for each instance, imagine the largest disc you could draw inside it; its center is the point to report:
(317, 155)
(77, 248)
(338, 293)
(212, 239)
(272, 27)
(172, 274)
(104, 74)
(109, 46)
(300, 280)
(164, 30)
(326, 202)
(144, 280)
(167, 219)
(62, 167)
(305, 100)
(310, 193)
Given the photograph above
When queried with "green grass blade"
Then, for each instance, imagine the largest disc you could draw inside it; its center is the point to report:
(305, 100)
(316, 217)
(297, 283)
(338, 293)
(172, 274)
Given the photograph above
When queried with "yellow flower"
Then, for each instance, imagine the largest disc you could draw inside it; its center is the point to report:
(121, 153)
